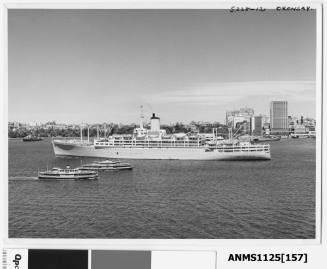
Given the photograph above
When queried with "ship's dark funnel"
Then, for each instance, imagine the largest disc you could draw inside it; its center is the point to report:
(154, 116)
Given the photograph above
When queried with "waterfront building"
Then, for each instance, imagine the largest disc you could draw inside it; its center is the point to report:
(291, 123)
(237, 120)
(257, 126)
(300, 129)
(310, 123)
(279, 117)
(301, 125)
(266, 126)
(243, 116)
(311, 127)
(265, 119)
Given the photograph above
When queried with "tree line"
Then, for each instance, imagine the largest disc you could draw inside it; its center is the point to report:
(178, 127)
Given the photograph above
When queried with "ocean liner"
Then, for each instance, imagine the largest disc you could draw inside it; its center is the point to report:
(155, 143)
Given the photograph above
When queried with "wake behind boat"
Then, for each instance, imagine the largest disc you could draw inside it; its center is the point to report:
(68, 173)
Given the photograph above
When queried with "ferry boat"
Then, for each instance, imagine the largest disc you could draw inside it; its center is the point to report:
(68, 173)
(265, 138)
(32, 138)
(107, 165)
(154, 143)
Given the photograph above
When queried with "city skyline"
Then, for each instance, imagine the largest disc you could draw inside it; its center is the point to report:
(100, 65)
(147, 121)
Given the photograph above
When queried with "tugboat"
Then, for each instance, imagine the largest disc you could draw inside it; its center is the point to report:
(32, 138)
(68, 173)
(107, 165)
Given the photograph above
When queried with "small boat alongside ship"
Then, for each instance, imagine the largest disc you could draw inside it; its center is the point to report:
(68, 173)
(107, 165)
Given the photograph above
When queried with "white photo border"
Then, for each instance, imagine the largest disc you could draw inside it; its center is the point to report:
(157, 244)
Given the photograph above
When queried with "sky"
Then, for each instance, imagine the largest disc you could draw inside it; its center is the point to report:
(94, 66)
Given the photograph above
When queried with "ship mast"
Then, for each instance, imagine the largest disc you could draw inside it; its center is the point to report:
(141, 117)
(230, 134)
(215, 132)
(88, 133)
(81, 129)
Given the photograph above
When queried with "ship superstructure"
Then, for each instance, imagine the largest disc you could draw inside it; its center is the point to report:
(155, 143)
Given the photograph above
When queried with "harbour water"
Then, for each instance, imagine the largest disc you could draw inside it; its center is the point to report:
(166, 199)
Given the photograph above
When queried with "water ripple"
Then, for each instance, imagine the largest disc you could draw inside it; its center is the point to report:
(166, 199)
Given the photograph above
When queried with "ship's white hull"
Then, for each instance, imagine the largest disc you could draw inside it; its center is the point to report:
(62, 149)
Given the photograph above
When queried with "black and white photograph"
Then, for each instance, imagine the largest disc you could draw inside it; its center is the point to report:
(163, 123)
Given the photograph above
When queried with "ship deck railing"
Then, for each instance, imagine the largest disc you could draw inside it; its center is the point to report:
(183, 144)
(73, 141)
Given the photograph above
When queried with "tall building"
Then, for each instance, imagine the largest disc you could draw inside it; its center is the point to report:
(257, 125)
(279, 117)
